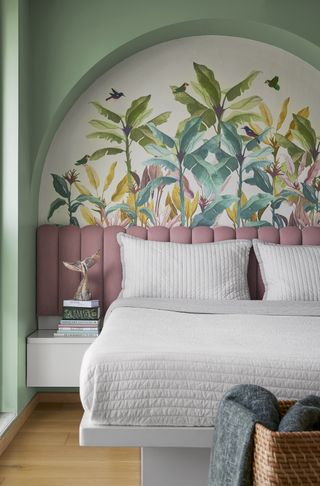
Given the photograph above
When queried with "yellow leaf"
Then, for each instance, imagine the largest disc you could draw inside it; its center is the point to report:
(176, 196)
(87, 215)
(232, 213)
(93, 177)
(121, 189)
(143, 218)
(243, 199)
(187, 208)
(123, 216)
(194, 205)
(305, 112)
(131, 201)
(110, 176)
(283, 113)
(169, 202)
(288, 135)
(82, 189)
(266, 114)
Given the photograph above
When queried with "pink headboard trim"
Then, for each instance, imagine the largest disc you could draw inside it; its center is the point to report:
(55, 282)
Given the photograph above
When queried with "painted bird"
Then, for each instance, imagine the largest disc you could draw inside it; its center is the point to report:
(249, 131)
(273, 83)
(181, 89)
(114, 95)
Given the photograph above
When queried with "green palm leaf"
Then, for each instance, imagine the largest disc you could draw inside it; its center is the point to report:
(244, 85)
(144, 194)
(104, 125)
(209, 215)
(242, 118)
(107, 113)
(189, 133)
(208, 83)
(122, 207)
(255, 203)
(161, 137)
(98, 154)
(167, 164)
(107, 136)
(231, 138)
(150, 215)
(138, 107)
(246, 103)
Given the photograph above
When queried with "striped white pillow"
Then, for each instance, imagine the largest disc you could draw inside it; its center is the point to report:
(214, 271)
(289, 272)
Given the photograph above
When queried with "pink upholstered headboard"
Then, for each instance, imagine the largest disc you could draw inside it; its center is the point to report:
(55, 282)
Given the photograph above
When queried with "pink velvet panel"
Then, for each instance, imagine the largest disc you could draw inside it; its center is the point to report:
(180, 234)
(159, 233)
(112, 271)
(55, 282)
(224, 233)
(69, 251)
(138, 232)
(290, 236)
(202, 234)
(47, 270)
(311, 235)
(271, 235)
(250, 234)
(91, 242)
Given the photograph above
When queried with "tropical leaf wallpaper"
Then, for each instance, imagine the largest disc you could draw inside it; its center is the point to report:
(242, 153)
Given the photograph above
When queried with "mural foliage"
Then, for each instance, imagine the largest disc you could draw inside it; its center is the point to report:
(230, 155)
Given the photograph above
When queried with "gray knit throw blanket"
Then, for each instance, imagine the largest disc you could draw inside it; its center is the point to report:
(240, 409)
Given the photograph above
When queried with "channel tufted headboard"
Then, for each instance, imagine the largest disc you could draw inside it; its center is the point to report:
(54, 244)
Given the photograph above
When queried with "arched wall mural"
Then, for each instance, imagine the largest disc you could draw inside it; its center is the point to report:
(205, 130)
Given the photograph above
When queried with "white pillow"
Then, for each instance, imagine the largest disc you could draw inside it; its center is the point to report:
(289, 272)
(215, 271)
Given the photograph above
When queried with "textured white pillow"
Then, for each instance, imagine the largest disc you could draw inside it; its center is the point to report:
(289, 272)
(215, 271)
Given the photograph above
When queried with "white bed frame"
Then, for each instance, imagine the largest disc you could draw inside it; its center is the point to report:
(170, 456)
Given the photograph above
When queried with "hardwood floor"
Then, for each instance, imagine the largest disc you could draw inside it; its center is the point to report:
(46, 453)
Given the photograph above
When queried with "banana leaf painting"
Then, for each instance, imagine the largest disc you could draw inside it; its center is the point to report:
(230, 156)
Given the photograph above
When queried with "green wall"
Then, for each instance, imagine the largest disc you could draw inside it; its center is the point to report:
(18, 209)
(9, 202)
(55, 49)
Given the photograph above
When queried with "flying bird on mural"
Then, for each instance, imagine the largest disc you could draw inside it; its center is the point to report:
(273, 83)
(249, 131)
(181, 89)
(114, 95)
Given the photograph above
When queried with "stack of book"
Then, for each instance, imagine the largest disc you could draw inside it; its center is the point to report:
(81, 318)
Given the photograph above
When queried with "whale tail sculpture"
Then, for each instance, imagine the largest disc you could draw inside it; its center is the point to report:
(83, 292)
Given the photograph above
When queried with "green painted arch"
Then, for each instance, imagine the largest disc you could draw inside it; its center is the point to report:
(257, 31)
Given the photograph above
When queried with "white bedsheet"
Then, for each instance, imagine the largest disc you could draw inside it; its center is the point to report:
(162, 368)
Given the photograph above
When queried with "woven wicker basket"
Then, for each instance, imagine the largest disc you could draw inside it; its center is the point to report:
(286, 458)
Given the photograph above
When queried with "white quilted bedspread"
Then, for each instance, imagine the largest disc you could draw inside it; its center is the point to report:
(154, 367)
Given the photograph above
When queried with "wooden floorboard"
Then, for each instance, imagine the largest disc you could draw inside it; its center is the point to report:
(45, 452)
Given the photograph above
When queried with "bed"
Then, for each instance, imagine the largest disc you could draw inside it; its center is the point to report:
(156, 373)
(158, 363)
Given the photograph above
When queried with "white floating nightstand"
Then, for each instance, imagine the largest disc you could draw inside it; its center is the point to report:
(54, 361)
